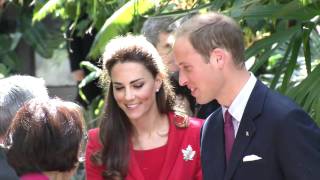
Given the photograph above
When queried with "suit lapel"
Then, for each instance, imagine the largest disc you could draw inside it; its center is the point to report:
(212, 148)
(245, 134)
(247, 128)
(220, 162)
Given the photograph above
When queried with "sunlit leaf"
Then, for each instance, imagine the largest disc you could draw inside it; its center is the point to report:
(47, 8)
(119, 20)
(292, 63)
(90, 66)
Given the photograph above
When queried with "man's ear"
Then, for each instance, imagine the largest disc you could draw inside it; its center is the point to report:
(217, 56)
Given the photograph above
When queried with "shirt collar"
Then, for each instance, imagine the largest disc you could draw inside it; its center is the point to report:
(238, 105)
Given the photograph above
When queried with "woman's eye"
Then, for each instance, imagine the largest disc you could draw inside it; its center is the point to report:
(138, 86)
(118, 88)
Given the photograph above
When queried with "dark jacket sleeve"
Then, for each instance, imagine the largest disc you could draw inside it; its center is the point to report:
(6, 171)
(298, 146)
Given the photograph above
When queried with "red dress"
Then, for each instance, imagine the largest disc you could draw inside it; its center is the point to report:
(181, 161)
(150, 161)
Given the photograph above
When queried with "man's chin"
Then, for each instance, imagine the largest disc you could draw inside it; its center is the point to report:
(202, 101)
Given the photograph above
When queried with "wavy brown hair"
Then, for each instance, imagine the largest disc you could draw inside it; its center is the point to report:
(115, 127)
(45, 135)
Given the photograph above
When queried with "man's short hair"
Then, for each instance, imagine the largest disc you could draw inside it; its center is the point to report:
(213, 30)
(153, 26)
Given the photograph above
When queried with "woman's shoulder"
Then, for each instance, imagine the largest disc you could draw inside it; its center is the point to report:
(184, 121)
(196, 122)
(188, 134)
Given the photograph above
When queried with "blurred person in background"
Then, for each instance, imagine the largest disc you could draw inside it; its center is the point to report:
(44, 139)
(140, 136)
(79, 44)
(160, 32)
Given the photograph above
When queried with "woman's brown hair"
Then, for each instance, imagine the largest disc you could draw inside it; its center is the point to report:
(45, 135)
(115, 127)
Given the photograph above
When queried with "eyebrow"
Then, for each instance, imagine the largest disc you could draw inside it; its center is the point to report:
(118, 83)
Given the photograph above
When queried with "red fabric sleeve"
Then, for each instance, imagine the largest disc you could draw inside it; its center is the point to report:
(93, 172)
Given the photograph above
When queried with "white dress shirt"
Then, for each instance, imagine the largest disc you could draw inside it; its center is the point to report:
(238, 105)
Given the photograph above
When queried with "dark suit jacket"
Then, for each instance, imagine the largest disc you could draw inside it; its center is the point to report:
(6, 172)
(273, 128)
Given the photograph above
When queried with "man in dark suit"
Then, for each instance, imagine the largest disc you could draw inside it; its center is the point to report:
(257, 134)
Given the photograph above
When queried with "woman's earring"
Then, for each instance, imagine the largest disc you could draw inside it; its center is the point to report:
(157, 90)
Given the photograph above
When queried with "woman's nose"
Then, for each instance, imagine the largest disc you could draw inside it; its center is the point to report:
(129, 95)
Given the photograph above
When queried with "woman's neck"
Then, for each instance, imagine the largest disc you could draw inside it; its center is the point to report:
(148, 122)
(150, 132)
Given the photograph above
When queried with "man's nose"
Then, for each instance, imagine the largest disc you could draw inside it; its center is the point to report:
(182, 79)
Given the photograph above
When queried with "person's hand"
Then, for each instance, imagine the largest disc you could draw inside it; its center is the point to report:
(78, 75)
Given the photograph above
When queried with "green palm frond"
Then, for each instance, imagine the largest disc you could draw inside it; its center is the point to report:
(115, 24)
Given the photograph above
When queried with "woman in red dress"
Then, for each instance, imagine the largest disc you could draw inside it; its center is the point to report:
(140, 135)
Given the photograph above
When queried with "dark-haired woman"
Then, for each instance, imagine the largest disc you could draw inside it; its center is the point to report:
(140, 135)
(44, 140)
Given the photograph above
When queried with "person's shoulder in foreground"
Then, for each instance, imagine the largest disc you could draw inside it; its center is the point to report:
(6, 172)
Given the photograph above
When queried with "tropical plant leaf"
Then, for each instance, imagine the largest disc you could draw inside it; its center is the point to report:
(46, 9)
(263, 59)
(279, 70)
(5, 43)
(88, 65)
(295, 10)
(292, 62)
(277, 37)
(317, 112)
(306, 44)
(307, 93)
(255, 11)
(89, 78)
(11, 60)
(4, 71)
(119, 20)
(42, 39)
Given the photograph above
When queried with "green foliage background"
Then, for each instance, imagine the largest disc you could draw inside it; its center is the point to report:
(282, 36)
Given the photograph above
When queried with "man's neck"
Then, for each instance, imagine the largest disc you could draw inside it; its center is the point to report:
(235, 82)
